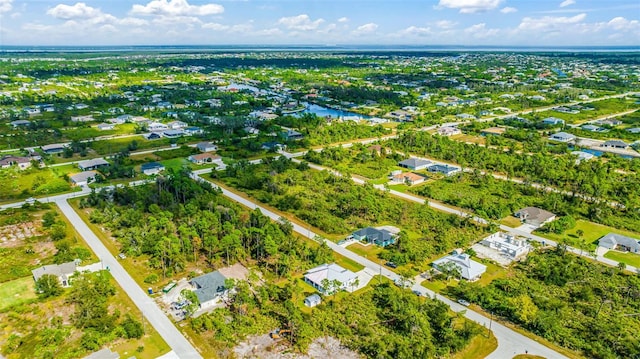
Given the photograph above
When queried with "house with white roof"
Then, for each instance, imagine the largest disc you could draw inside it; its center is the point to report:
(331, 275)
(469, 269)
(562, 137)
(507, 245)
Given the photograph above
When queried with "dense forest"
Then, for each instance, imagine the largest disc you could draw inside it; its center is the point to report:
(338, 206)
(569, 300)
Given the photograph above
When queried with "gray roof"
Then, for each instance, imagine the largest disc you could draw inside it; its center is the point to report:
(83, 176)
(313, 299)
(469, 269)
(634, 130)
(105, 353)
(446, 169)
(414, 163)
(563, 136)
(151, 166)
(63, 270)
(53, 146)
(93, 163)
(612, 240)
(534, 215)
(19, 122)
(209, 286)
(615, 143)
(373, 234)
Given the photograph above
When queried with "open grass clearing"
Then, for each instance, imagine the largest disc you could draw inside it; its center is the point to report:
(627, 258)
(16, 291)
(591, 232)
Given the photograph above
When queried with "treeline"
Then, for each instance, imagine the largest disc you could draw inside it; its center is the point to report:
(596, 179)
(363, 94)
(573, 302)
(338, 206)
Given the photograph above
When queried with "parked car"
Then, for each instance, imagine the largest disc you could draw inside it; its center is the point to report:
(122, 256)
(463, 302)
(391, 265)
(417, 292)
(30, 200)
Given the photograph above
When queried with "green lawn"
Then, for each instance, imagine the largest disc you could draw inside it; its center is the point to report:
(591, 233)
(370, 252)
(631, 259)
(479, 347)
(347, 263)
(17, 184)
(16, 291)
(511, 221)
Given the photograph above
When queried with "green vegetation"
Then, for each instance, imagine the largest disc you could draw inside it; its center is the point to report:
(16, 292)
(18, 184)
(337, 205)
(359, 159)
(568, 300)
(632, 259)
(585, 234)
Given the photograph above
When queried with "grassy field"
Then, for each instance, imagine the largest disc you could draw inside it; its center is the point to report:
(479, 347)
(104, 147)
(591, 233)
(631, 259)
(16, 291)
(511, 221)
(370, 252)
(16, 184)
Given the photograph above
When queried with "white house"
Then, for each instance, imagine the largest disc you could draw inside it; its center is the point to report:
(157, 126)
(62, 271)
(332, 274)
(83, 178)
(562, 137)
(469, 269)
(312, 300)
(507, 245)
(105, 126)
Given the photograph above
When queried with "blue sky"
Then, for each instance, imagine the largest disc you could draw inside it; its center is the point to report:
(321, 22)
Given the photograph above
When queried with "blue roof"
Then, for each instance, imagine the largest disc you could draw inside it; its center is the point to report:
(151, 165)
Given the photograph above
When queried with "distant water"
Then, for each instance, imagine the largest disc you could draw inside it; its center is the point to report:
(303, 48)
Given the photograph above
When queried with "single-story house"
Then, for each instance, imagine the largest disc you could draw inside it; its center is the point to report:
(53, 148)
(172, 133)
(592, 128)
(251, 130)
(444, 169)
(105, 353)
(535, 216)
(620, 243)
(562, 137)
(83, 178)
(380, 237)
(19, 123)
(157, 126)
(206, 147)
(582, 156)
(176, 125)
(615, 144)
(92, 164)
(86, 118)
(193, 130)
(209, 288)
(22, 162)
(449, 131)
(312, 300)
(63, 271)
(152, 136)
(151, 168)
(292, 135)
(507, 245)
(634, 130)
(469, 269)
(203, 158)
(408, 178)
(338, 278)
(553, 121)
(272, 146)
(106, 126)
(493, 131)
(415, 164)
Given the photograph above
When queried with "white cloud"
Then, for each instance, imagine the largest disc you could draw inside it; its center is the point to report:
(416, 31)
(480, 31)
(215, 26)
(176, 20)
(621, 24)
(365, 29)
(301, 22)
(77, 11)
(343, 19)
(176, 8)
(470, 6)
(508, 10)
(5, 6)
(549, 23)
(446, 24)
(567, 3)
(133, 21)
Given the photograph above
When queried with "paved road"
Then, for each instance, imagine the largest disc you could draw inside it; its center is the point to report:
(509, 341)
(156, 317)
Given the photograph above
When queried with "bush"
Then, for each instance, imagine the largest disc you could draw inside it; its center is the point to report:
(132, 328)
(152, 278)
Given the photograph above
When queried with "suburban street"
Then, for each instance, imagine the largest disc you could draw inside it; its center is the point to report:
(510, 342)
(147, 306)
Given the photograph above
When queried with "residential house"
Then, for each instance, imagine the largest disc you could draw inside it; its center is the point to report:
(151, 168)
(251, 130)
(152, 136)
(634, 130)
(312, 300)
(380, 237)
(375, 148)
(593, 128)
(415, 164)
(292, 135)
(157, 126)
(209, 288)
(466, 116)
(83, 178)
(86, 118)
(22, 162)
(331, 275)
(610, 122)
(20, 123)
(63, 271)
(53, 148)
(105, 126)
(535, 216)
(172, 133)
(448, 131)
(562, 137)
(105, 353)
(176, 125)
(444, 169)
(468, 268)
(553, 121)
(272, 146)
(615, 144)
(203, 158)
(582, 156)
(206, 147)
(619, 242)
(408, 178)
(92, 164)
(193, 130)
(493, 131)
(507, 244)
